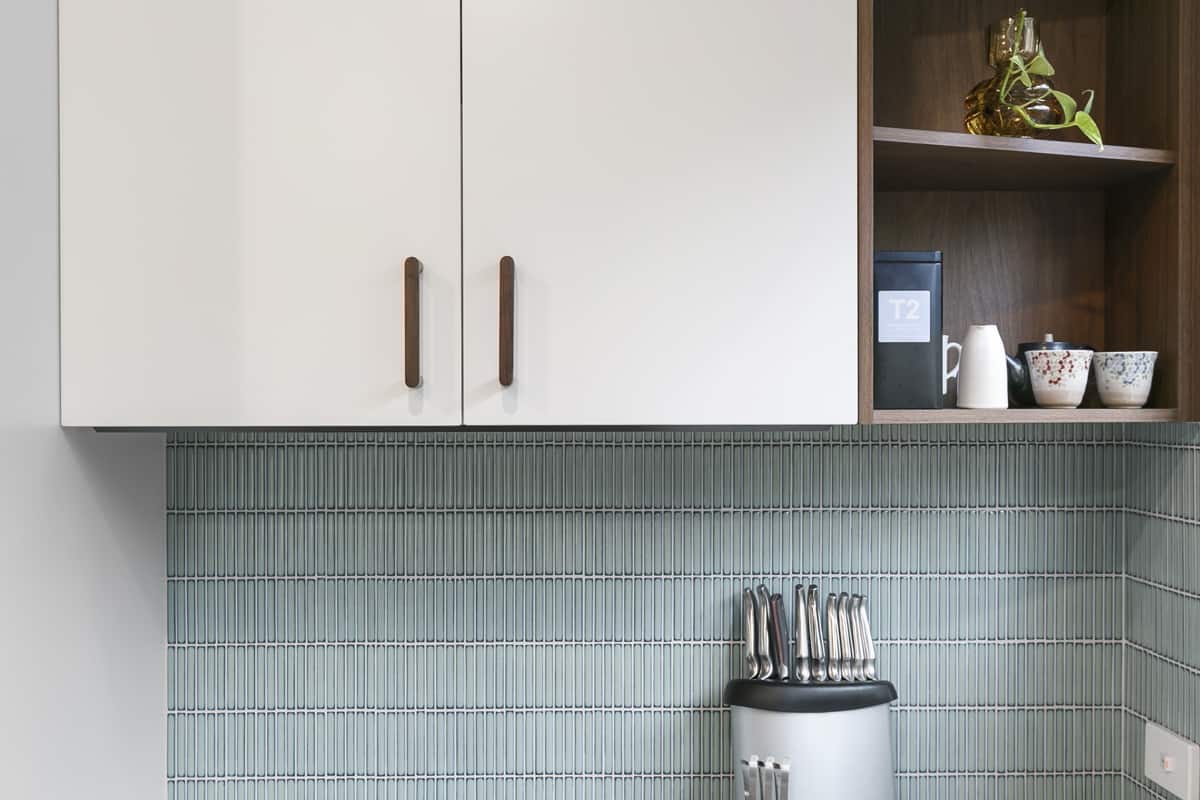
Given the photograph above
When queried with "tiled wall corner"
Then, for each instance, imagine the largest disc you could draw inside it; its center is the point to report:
(534, 615)
(1162, 610)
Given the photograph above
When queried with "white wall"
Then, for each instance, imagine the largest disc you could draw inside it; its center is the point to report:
(82, 528)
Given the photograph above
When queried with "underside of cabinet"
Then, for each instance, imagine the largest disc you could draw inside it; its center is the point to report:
(1040, 236)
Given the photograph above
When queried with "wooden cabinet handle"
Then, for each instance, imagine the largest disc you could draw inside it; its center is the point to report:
(507, 274)
(412, 322)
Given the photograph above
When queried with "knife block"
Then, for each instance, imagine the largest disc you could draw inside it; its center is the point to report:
(831, 739)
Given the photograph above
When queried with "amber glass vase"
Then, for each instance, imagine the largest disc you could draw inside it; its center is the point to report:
(986, 116)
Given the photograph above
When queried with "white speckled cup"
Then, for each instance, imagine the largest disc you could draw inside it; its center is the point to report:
(1124, 378)
(1059, 377)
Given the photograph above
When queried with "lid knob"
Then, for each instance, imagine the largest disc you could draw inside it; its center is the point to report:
(1048, 338)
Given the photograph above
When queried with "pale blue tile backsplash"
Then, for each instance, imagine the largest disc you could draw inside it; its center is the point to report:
(1162, 611)
(554, 615)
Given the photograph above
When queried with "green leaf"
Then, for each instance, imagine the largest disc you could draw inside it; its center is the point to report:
(1085, 123)
(1040, 64)
(1091, 95)
(1022, 75)
(1067, 102)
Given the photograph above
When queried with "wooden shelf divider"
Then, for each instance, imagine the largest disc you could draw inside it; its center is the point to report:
(916, 160)
(967, 415)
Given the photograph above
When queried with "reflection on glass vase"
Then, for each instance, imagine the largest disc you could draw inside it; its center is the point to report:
(985, 114)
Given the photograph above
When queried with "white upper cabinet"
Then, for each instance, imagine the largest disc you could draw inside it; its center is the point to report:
(675, 181)
(242, 182)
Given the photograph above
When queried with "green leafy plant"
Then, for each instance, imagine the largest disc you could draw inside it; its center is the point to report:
(1019, 72)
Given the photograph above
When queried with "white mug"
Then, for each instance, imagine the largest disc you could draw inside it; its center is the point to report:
(947, 346)
(983, 369)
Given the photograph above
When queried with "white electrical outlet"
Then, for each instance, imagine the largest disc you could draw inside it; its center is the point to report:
(1172, 762)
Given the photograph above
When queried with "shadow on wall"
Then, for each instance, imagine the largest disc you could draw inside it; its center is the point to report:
(82, 588)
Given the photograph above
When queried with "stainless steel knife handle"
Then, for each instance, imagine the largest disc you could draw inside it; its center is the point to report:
(870, 667)
(767, 770)
(835, 638)
(751, 778)
(750, 620)
(858, 648)
(843, 614)
(816, 642)
(766, 669)
(781, 773)
(803, 671)
(779, 638)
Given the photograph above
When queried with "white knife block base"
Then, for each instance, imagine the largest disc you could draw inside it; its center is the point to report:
(840, 754)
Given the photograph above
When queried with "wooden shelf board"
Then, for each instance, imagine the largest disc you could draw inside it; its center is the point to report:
(907, 160)
(967, 415)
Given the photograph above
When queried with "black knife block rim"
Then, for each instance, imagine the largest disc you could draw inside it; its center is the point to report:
(823, 697)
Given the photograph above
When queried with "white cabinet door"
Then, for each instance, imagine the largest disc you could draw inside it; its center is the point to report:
(675, 181)
(242, 181)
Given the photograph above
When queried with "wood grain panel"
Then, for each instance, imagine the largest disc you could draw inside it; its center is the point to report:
(1030, 262)
(1188, 380)
(930, 53)
(908, 160)
(1149, 270)
(1143, 82)
(964, 416)
(866, 214)
(1142, 277)
(1113, 267)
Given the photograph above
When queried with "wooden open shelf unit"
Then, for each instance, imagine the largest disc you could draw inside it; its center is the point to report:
(1049, 235)
(908, 160)
(965, 415)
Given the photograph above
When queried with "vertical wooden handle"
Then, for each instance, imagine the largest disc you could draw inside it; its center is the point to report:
(412, 322)
(507, 274)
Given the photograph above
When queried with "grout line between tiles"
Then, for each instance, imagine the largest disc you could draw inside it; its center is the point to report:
(1146, 787)
(664, 576)
(647, 510)
(1161, 446)
(1163, 587)
(538, 776)
(1161, 657)
(1139, 715)
(426, 643)
(444, 777)
(651, 709)
(1141, 512)
(682, 440)
(1124, 580)
(1032, 773)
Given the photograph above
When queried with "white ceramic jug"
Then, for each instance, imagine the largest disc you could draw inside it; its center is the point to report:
(983, 369)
